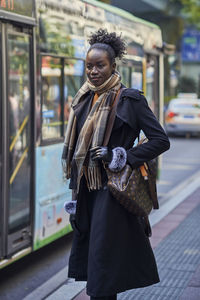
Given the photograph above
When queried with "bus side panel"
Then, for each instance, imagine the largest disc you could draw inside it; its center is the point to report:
(51, 220)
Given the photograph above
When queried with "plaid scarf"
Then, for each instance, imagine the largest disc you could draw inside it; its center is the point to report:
(91, 134)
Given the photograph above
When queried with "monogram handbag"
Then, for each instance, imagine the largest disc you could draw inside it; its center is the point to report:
(135, 189)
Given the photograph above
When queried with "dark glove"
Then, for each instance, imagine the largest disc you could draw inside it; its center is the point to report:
(101, 153)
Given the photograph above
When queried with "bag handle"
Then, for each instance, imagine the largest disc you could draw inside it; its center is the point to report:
(144, 169)
(111, 118)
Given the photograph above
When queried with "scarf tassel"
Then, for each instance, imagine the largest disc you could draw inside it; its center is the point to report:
(94, 178)
(66, 169)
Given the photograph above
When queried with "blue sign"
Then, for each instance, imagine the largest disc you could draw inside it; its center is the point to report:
(79, 68)
(191, 46)
(48, 114)
(79, 46)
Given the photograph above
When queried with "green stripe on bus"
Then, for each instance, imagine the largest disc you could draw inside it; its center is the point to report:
(40, 243)
(120, 12)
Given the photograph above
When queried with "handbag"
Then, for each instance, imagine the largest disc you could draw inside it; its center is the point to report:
(135, 189)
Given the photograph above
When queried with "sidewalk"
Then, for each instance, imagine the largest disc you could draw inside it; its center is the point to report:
(176, 243)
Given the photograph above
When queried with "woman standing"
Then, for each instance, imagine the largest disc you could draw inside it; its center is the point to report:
(110, 249)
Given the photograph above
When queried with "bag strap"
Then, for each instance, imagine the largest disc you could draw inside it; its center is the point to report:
(144, 169)
(153, 191)
(111, 118)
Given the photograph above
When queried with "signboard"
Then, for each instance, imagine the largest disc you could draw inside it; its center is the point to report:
(191, 46)
(136, 80)
(20, 7)
(79, 47)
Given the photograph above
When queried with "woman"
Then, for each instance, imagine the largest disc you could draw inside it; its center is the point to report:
(110, 249)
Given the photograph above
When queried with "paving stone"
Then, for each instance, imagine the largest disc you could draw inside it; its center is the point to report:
(191, 293)
(177, 256)
(160, 232)
(195, 281)
(82, 296)
(184, 267)
(155, 242)
(173, 217)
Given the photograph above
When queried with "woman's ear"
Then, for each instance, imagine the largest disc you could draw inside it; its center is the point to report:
(113, 67)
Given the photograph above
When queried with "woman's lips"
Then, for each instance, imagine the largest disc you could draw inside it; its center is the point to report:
(95, 78)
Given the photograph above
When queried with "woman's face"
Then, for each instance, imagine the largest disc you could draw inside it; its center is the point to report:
(98, 66)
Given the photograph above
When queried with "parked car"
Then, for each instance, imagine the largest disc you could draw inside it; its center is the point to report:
(182, 116)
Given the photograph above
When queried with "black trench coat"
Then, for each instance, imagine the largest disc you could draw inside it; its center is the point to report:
(110, 249)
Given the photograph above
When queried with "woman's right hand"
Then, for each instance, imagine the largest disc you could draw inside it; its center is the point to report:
(101, 153)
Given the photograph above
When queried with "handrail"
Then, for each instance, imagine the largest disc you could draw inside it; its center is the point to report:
(18, 133)
(18, 165)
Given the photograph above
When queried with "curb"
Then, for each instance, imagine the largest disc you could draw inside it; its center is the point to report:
(175, 197)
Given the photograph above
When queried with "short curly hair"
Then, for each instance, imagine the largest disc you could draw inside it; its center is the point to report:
(110, 42)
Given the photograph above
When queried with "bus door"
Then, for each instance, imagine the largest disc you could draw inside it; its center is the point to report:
(132, 73)
(16, 130)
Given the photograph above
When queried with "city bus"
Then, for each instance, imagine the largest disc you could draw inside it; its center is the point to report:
(43, 45)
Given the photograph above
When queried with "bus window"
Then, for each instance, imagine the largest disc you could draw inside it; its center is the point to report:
(125, 74)
(74, 72)
(152, 84)
(51, 98)
(136, 78)
(19, 108)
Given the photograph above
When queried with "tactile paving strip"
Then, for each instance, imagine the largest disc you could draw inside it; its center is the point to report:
(177, 256)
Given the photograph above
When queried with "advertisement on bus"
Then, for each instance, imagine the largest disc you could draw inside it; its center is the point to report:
(21, 7)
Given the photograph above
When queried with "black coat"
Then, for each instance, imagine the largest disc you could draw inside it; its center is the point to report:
(110, 249)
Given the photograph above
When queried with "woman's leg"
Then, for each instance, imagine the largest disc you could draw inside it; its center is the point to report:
(113, 297)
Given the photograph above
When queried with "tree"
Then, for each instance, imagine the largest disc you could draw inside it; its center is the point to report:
(190, 10)
(187, 85)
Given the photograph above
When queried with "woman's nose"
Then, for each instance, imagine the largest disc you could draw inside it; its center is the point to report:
(94, 70)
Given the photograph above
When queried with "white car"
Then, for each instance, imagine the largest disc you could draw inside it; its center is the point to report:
(182, 117)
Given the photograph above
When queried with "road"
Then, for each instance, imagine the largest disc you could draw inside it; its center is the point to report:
(23, 277)
(178, 164)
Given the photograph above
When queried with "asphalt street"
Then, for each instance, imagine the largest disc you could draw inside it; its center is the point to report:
(178, 164)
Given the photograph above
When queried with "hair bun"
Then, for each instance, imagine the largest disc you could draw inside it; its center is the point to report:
(102, 36)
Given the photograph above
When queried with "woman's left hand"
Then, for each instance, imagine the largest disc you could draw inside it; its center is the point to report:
(103, 153)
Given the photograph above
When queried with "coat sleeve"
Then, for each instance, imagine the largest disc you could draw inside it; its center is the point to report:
(158, 141)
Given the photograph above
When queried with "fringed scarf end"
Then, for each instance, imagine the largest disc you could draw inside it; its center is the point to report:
(94, 178)
(66, 169)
